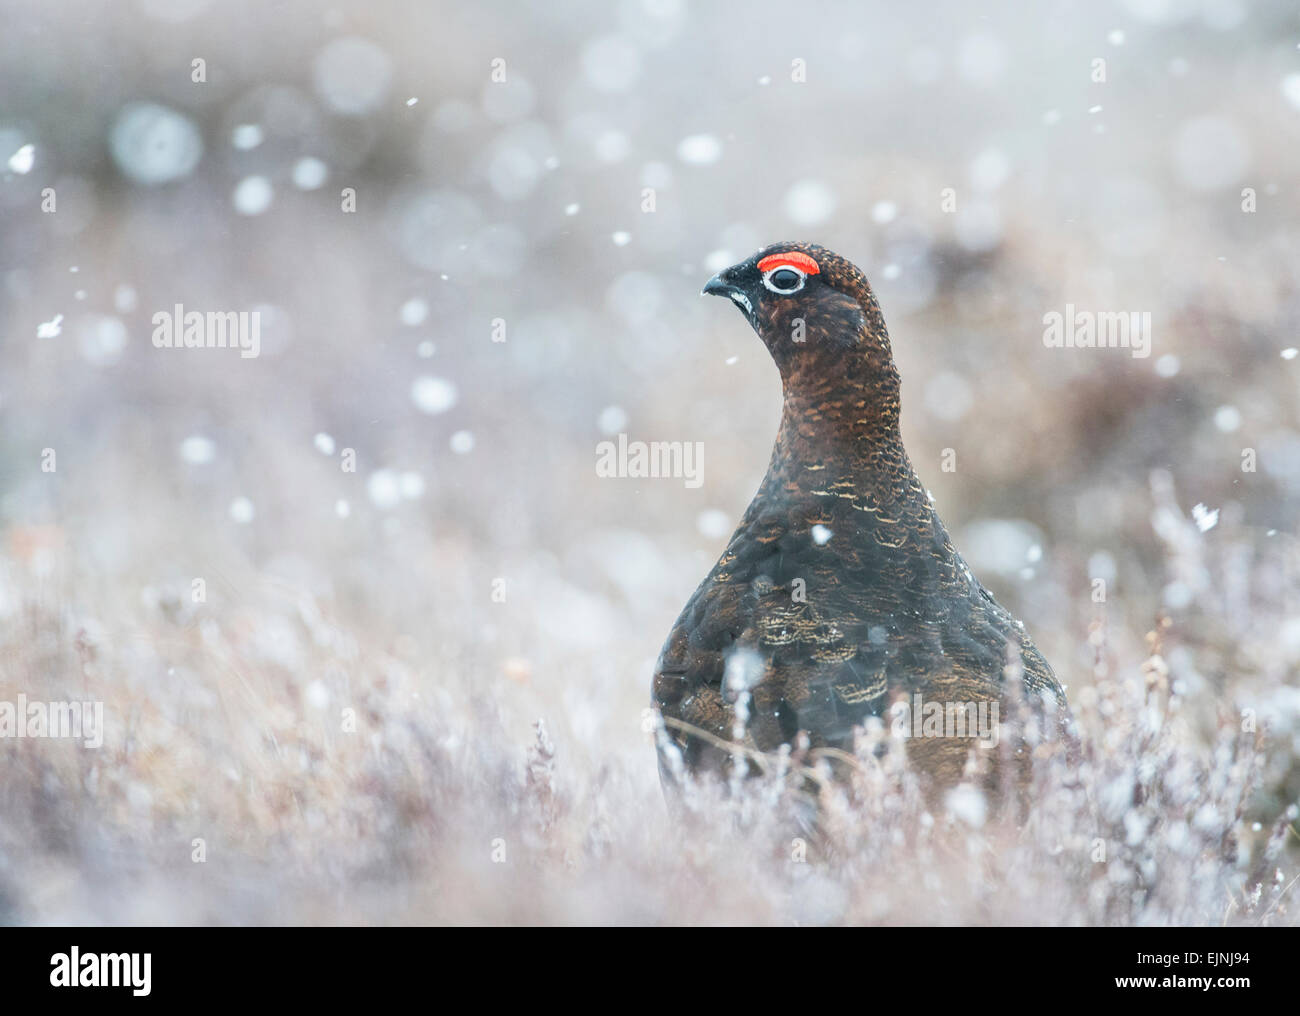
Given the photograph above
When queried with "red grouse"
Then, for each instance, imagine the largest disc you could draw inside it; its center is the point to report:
(840, 593)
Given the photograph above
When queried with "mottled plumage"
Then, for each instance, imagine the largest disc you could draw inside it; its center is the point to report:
(835, 623)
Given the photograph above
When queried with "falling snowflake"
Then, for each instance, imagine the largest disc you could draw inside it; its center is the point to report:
(433, 395)
(242, 510)
(21, 161)
(462, 442)
(414, 312)
(385, 488)
(411, 484)
(612, 419)
(968, 804)
(713, 523)
(309, 173)
(699, 149)
(247, 136)
(198, 450)
(253, 195)
(1204, 518)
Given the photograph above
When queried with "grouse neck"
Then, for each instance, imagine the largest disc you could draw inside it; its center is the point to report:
(849, 413)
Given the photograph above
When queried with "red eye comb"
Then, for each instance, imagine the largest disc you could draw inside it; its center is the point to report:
(794, 258)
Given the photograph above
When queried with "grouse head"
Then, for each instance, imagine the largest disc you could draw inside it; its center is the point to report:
(820, 321)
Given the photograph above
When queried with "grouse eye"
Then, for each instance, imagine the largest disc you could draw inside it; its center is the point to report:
(784, 280)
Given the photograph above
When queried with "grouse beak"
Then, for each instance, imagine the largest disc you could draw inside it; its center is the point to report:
(716, 287)
(720, 286)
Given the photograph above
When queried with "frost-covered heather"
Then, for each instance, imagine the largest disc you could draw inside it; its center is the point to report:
(339, 772)
(326, 593)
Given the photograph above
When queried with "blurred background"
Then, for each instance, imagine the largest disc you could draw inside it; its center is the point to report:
(475, 234)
